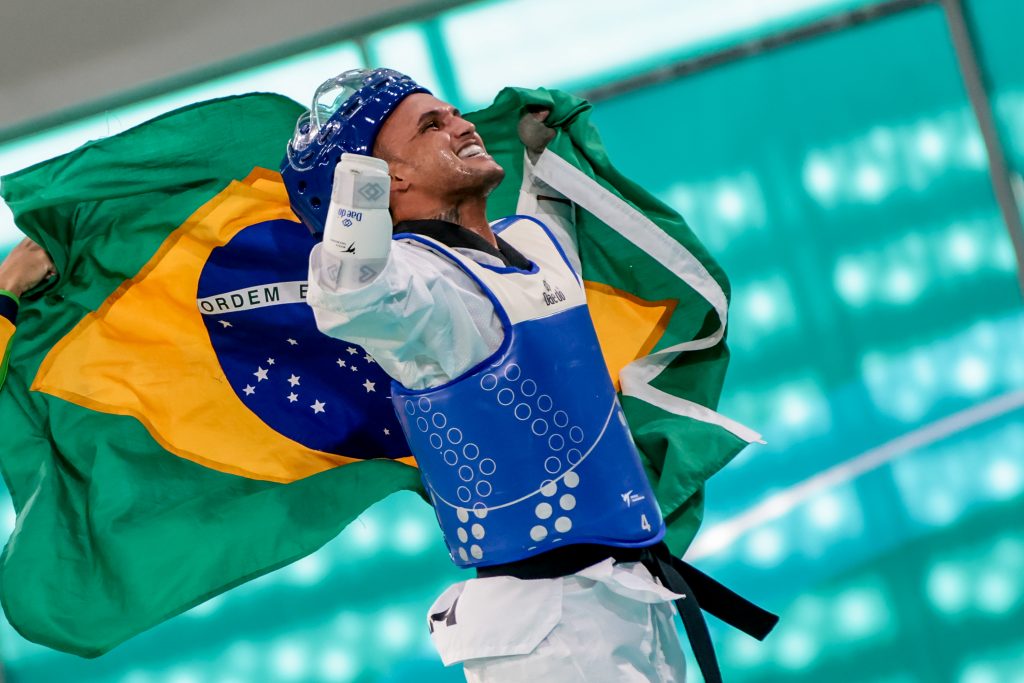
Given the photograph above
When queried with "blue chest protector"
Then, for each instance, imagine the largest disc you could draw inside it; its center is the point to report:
(529, 450)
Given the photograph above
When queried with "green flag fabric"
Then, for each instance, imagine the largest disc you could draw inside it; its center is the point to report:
(144, 486)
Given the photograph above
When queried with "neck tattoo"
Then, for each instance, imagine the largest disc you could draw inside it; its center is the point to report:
(451, 215)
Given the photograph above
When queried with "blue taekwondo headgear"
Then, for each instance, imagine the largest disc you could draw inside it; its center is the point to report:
(348, 111)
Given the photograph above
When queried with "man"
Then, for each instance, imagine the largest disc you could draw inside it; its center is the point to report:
(24, 268)
(499, 385)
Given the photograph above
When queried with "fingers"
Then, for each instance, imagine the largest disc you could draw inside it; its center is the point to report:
(26, 266)
(39, 257)
(534, 134)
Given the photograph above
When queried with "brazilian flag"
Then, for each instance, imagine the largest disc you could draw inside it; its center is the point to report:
(174, 424)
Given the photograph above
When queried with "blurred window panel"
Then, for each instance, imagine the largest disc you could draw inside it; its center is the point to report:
(876, 320)
(575, 44)
(407, 48)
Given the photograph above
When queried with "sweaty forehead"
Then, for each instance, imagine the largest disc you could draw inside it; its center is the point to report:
(404, 120)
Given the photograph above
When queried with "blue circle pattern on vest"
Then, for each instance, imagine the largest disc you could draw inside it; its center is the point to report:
(478, 487)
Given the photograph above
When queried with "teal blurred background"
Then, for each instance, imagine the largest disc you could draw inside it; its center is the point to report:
(877, 334)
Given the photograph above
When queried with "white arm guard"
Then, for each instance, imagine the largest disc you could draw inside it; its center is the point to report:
(357, 233)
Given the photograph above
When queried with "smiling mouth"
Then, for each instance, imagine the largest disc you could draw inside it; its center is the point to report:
(470, 151)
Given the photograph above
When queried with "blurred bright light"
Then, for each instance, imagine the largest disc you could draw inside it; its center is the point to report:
(870, 182)
(396, 629)
(973, 375)
(909, 403)
(762, 306)
(820, 178)
(809, 611)
(1008, 552)
(337, 665)
(941, 507)
(290, 660)
(851, 281)
(980, 673)
(882, 141)
(720, 209)
(365, 532)
(309, 570)
(998, 591)
(931, 144)
(862, 612)
(730, 204)
(825, 511)
(207, 608)
(948, 587)
(183, 675)
(1004, 478)
(964, 249)
(745, 651)
(974, 152)
(1003, 256)
(796, 649)
(795, 408)
(242, 655)
(922, 367)
(682, 198)
(412, 535)
(765, 547)
(138, 676)
(903, 284)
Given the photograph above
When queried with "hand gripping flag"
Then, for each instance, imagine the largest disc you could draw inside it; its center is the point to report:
(174, 425)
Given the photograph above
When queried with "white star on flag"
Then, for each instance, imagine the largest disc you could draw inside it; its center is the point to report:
(293, 380)
(387, 432)
(292, 342)
(318, 406)
(261, 374)
(369, 359)
(353, 368)
(225, 323)
(270, 361)
(249, 390)
(293, 397)
(352, 351)
(341, 363)
(368, 385)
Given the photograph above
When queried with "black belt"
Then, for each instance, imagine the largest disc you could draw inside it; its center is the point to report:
(699, 591)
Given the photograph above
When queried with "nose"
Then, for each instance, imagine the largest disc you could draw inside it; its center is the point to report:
(461, 127)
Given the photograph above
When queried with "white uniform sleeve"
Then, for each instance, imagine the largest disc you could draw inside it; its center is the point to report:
(540, 200)
(421, 318)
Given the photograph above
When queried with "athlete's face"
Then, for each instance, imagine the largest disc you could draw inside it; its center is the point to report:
(428, 144)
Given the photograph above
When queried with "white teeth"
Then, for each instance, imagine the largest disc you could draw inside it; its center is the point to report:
(470, 151)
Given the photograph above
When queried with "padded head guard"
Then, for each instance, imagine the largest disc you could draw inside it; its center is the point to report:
(347, 113)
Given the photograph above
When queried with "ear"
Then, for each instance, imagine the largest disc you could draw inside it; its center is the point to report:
(399, 182)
